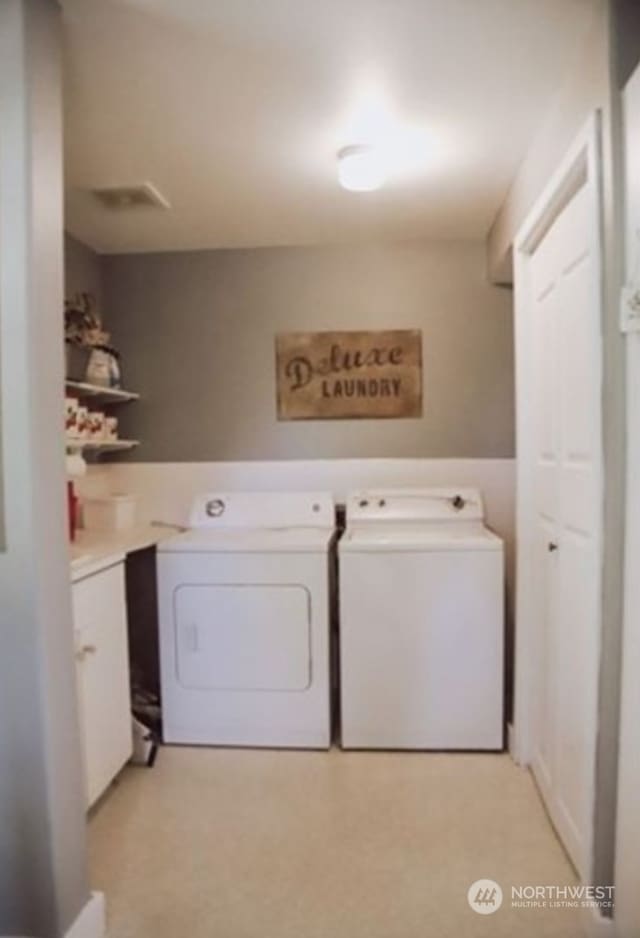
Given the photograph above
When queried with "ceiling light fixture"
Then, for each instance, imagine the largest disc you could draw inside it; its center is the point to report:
(360, 168)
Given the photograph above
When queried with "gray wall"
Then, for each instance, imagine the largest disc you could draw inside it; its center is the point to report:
(614, 447)
(585, 89)
(196, 331)
(626, 26)
(43, 863)
(606, 54)
(82, 270)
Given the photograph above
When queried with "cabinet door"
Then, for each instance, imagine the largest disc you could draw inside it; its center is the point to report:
(103, 676)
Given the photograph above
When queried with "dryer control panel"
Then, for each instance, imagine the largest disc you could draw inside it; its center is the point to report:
(262, 510)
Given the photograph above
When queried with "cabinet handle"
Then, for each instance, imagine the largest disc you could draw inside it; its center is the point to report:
(551, 546)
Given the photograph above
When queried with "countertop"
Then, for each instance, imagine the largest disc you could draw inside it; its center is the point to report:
(93, 551)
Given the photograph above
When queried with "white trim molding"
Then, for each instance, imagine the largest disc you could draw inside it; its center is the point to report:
(628, 821)
(596, 925)
(92, 921)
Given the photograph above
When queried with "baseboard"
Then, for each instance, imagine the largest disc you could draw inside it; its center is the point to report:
(92, 921)
(513, 747)
(596, 925)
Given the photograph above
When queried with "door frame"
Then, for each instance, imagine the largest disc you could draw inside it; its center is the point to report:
(627, 911)
(580, 167)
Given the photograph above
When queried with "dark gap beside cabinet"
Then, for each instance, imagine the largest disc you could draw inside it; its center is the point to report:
(144, 645)
(334, 638)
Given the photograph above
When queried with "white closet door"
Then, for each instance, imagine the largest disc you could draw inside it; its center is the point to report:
(565, 386)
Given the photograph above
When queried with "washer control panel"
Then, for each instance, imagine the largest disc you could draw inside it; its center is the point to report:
(424, 505)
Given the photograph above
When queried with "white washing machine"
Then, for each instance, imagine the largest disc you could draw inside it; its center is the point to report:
(421, 622)
(244, 622)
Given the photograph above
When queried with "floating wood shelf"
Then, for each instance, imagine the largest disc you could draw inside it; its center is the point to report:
(106, 395)
(101, 446)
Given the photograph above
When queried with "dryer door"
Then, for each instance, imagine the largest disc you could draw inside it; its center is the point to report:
(243, 637)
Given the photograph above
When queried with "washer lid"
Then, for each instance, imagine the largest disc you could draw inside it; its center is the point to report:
(387, 538)
(249, 540)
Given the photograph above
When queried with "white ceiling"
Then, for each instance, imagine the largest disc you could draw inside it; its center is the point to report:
(234, 110)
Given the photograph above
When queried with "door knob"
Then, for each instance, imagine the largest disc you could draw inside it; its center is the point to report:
(84, 650)
(551, 546)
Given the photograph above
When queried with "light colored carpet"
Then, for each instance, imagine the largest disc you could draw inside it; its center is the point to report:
(215, 843)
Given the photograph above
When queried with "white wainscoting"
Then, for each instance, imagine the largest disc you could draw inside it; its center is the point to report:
(165, 490)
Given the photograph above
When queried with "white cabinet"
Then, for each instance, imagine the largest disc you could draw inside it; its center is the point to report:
(102, 668)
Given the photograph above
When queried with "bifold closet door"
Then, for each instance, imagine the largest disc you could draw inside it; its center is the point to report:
(565, 386)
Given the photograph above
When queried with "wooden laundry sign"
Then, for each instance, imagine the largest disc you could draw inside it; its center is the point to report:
(336, 375)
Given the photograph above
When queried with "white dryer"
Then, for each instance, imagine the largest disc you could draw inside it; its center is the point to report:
(244, 622)
(421, 622)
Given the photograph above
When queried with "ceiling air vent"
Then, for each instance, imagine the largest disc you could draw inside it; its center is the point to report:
(144, 195)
